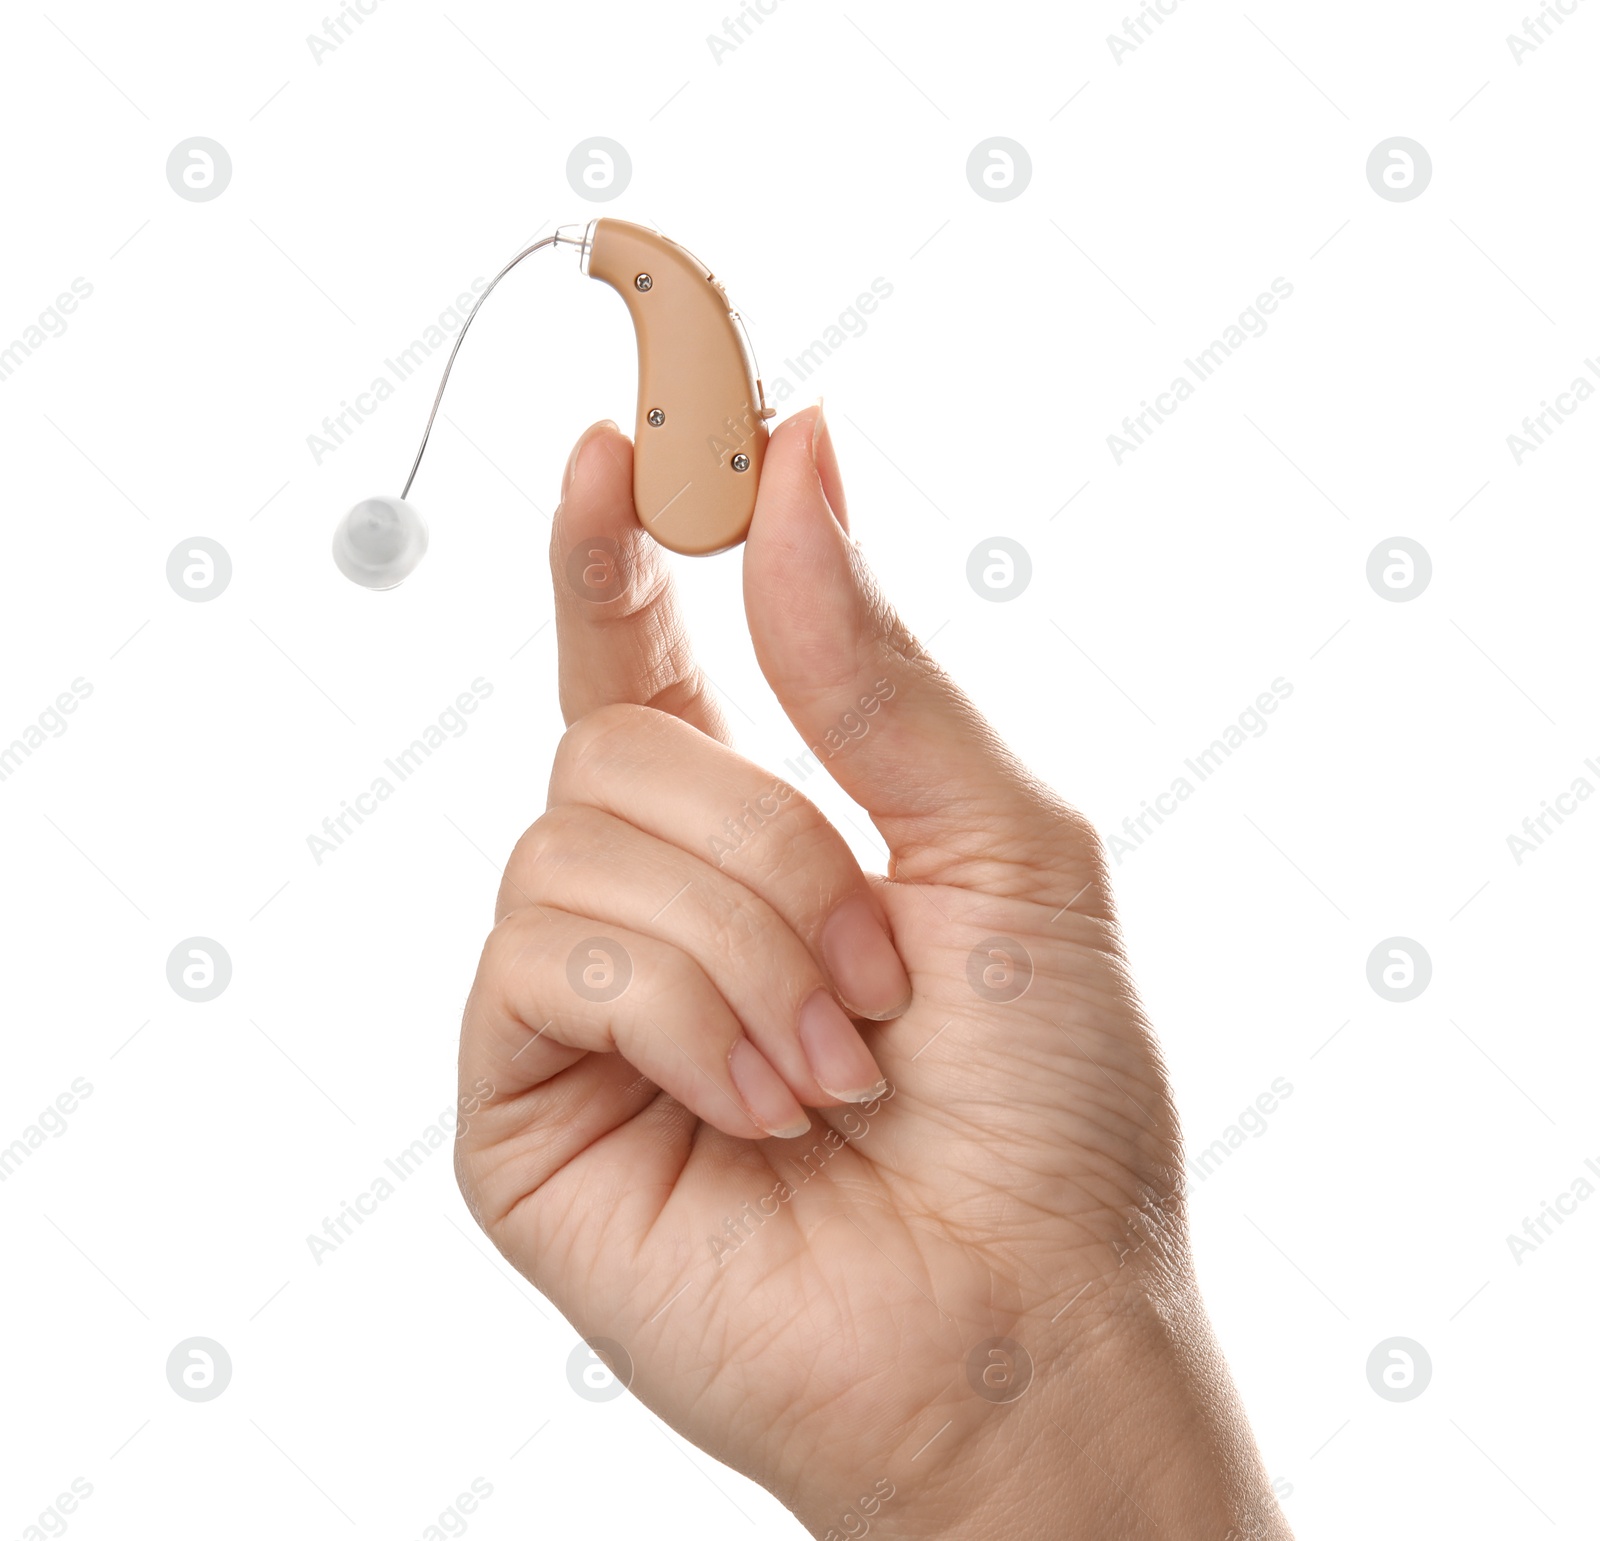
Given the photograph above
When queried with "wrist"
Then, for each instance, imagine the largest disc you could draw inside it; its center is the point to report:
(1126, 1426)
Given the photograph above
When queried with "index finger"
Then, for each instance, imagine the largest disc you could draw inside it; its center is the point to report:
(620, 635)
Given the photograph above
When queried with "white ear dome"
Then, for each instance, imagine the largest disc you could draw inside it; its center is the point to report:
(379, 542)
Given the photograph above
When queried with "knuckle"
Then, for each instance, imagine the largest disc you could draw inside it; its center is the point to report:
(736, 931)
(503, 949)
(686, 695)
(1083, 838)
(673, 974)
(543, 847)
(1084, 862)
(778, 829)
(595, 738)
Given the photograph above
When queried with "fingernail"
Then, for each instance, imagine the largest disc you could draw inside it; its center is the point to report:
(866, 969)
(841, 1062)
(818, 428)
(770, 1102)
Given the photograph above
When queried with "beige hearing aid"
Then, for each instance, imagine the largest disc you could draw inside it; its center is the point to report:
(700, 431)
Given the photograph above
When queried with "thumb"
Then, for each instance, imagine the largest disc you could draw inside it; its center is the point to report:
(877, 713)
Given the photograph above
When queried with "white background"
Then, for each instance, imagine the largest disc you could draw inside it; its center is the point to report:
(826, 150)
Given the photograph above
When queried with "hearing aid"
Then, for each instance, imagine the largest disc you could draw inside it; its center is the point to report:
(700, 430)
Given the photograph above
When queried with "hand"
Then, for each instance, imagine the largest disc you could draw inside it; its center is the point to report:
(876, 1180)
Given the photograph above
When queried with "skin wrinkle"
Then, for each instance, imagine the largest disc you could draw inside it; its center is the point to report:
(690, 696)
(555, 1097)
(806, 1361)
(981, 862)
(1130, 1117)
(651, 644)
(590, 743)
(591, 1145)
(1025, 1178)
(963, 1125)
(958, 1122)
(1055, 1048)
(587, 836)
(968, 1499)
(1091, 1242)
(662, 650)
(535, 850)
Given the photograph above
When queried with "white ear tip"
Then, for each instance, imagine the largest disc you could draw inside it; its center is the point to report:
(379, 542)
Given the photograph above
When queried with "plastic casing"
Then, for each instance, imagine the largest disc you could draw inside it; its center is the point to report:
(696, 370)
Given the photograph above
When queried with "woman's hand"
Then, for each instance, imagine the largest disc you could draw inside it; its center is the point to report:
(874, 1180)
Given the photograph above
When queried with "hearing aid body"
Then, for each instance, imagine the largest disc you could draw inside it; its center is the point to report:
(700, 432)
(700, 428)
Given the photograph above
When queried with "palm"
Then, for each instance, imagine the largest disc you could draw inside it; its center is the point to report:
(808, 1308)
(803, 1296)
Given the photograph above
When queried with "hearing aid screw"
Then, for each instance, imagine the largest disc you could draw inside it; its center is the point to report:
(642, 281)
(741, 462)
(656, 417)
